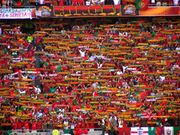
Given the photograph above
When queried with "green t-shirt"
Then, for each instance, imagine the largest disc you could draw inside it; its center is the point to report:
(53, 89)
(59, 68)
(30, 39)
(45, 64)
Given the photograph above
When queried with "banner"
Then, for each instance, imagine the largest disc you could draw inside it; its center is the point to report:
(139, 130)
(98, 10)
(154, 130)
(171, 130)
(17, 13)
(44, 11)
(168, 131)
(129, 9)
(160, 11)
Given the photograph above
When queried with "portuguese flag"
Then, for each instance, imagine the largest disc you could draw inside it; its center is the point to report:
(144, 4)
(141, 4)
(57, 68)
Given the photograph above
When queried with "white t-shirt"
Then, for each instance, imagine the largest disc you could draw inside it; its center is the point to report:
(94, 85)
(124, 68)
(22, 91)
(66, 123)
(82, 53)
(41, 2)
(162, 78)
(116, 2)
(103, 122)
(175, 2)
(119, 72)
(120, 123)
(37, 90)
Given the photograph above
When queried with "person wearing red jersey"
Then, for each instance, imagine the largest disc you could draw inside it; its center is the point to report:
(27, 126)
(33, 126)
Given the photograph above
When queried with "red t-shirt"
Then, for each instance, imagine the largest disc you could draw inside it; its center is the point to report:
(39, 125)
(15, 125)
(19, 125)
(12, 93)
(33, 126)
(26, 125)
(46, 110)
(54, 105)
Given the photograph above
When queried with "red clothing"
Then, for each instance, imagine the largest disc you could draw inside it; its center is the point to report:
(39, 125)
(61, 3)
(33, 126)
(54, 105)
(19, 125)
(19, 4)
(12, 93)
(15, 125)
(168, 63)
(26, 125)
(46, 110)
(7, 80)
(74, 108)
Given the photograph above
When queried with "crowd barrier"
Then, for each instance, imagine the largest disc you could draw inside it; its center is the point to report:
(98, 131)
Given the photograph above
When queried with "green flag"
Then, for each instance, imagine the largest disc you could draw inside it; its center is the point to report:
(151, 130)
(176, 130)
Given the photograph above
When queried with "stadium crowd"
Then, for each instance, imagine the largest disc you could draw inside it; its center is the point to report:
(80, 75)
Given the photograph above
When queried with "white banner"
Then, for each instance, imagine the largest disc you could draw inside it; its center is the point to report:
(139, 130)
(16, 13)
(168, 131)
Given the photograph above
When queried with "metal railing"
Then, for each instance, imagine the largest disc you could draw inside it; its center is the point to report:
(92, 131)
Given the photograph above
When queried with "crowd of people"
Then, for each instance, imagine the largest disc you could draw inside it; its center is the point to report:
(90, 74)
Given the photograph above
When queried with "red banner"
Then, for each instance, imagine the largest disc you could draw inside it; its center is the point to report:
(160, 11)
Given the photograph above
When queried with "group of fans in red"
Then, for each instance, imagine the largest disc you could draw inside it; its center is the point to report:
(90, 74)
